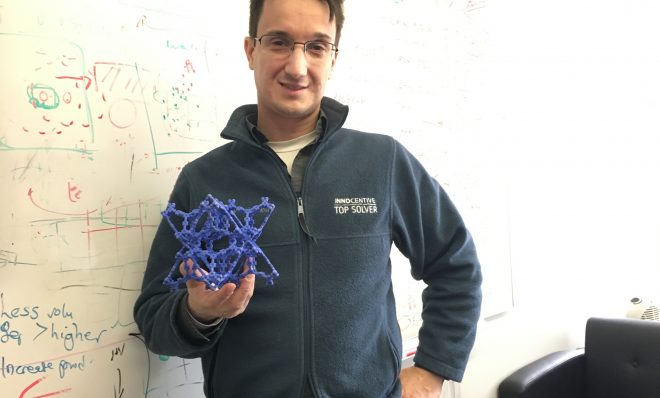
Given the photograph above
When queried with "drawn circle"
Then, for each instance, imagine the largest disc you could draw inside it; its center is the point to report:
(122, 113)
(66, 97)
(43, 96)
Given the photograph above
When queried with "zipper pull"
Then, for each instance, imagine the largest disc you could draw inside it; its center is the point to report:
(301, 216)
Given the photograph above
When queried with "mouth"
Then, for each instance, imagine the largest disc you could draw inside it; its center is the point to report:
(295, 87)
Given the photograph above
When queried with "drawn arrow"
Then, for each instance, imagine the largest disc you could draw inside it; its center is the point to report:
(119, 390)
(31, 191)
(50, 394)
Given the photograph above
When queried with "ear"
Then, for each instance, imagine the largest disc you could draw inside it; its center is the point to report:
(248, 46)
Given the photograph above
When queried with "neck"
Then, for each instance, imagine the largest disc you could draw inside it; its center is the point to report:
(284, 129)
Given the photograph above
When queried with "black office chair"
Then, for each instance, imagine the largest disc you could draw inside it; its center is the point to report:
(621, 359)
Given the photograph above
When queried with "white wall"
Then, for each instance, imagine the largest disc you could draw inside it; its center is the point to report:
(575, 101)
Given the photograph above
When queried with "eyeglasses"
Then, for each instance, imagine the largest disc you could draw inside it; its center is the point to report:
(282, 46)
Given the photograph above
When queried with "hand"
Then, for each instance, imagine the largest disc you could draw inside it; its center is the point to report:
(227, 302)
(420, 383)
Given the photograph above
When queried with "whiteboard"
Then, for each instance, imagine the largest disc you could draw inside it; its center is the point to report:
(102, 105)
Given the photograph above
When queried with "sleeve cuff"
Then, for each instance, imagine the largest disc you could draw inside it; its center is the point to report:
(429, 370)
(193, 328)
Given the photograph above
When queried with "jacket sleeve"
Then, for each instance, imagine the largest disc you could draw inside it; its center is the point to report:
(157, 310)
(430, 232)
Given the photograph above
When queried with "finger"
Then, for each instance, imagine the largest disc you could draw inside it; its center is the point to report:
(187, 269)
(246, 264)
(238, 302)
(244, 292)
(246, 289)
(182, 268)
(224, 293)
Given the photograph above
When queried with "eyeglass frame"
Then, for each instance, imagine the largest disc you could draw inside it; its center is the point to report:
(333, 52)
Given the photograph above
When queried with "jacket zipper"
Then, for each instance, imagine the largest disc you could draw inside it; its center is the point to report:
(301, 216)
(306, 299)
(307, 311)
(307, 238)
(306, 294)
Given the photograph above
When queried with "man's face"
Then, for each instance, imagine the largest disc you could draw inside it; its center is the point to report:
(292, 86)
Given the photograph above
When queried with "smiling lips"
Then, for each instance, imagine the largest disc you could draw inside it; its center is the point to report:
(292, 86)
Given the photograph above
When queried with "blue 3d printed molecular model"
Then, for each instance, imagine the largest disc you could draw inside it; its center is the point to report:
(214, 224)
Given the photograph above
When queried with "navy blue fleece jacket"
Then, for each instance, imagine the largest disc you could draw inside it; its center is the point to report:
(330, 318)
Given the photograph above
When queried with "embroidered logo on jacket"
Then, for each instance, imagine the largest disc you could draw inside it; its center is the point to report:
(356, 206)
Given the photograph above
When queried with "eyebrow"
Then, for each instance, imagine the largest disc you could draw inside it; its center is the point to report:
(316, 36)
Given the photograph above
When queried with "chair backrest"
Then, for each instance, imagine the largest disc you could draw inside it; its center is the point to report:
(622, 358)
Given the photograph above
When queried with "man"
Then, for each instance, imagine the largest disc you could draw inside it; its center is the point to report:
(327, 327)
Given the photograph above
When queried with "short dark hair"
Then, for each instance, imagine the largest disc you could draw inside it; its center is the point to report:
(336, 11)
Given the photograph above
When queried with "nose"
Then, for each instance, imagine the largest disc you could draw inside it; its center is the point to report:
(296, 65)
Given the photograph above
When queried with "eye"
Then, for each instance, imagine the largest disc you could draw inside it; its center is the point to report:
(278, 42)
(318, 47)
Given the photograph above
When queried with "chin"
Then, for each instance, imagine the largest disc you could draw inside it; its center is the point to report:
(297, 113)
(296, 108)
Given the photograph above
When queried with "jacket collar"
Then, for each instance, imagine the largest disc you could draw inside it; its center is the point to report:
(238, 127)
